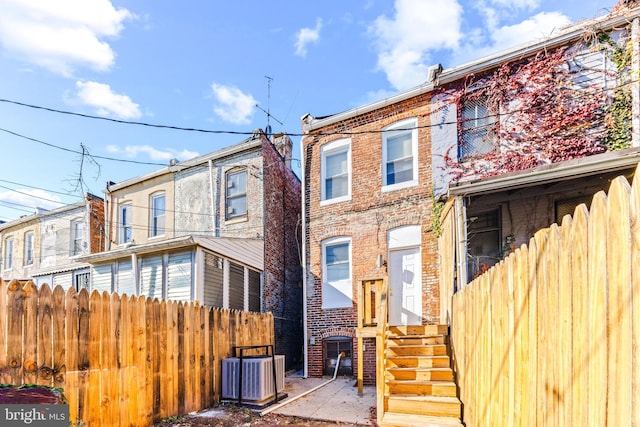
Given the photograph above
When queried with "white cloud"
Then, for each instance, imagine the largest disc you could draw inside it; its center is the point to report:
(507, 36)
(61, 35)
(133, 151)
(233, 105)
(517, 4)
(306, 36)
(26, 198)
(405, 41)
(106, 102)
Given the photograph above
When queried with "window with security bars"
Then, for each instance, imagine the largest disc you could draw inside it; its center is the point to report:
(478, 128)
(568, 206)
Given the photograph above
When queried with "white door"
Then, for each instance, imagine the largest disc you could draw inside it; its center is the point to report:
(405, 287)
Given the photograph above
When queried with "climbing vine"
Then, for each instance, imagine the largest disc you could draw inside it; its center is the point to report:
(548, 108)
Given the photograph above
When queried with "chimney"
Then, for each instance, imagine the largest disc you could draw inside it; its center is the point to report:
(284, 145)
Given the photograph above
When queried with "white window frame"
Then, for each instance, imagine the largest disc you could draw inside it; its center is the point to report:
(335, 147)
(8, 253)
(344, 287)
(398, 128)
(154, 229)
(228, 215)
(77, 241)
(122, 225)
(28, 247)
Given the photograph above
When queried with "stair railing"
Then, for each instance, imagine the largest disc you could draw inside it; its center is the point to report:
(381, 343)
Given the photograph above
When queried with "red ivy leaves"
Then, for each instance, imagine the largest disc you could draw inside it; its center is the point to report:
(549, 112)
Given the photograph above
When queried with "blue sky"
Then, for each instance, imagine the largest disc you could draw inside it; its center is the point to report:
(206, 65)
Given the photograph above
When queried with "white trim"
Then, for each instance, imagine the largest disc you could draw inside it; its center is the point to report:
(404, 237)
(335, 147)
(343, 286)
(407, 126)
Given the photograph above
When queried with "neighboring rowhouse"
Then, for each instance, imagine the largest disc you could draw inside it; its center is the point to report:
(44, 246)
(220, 228)
(376, 177)
(525, 136)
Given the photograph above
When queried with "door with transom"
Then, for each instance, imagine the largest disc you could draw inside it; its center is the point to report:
(405, 287)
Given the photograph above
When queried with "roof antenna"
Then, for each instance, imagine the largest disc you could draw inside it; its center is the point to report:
(269, 116)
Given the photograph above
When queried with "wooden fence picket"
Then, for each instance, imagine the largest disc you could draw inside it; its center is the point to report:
(551, 335)
(120, 360)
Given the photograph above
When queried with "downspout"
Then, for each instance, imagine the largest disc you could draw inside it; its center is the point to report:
(107, 224)
(635, 86)
(335, 374)
(305, 338)
(211, 194)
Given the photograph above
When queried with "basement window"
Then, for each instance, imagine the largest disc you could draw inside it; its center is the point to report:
(333, 346)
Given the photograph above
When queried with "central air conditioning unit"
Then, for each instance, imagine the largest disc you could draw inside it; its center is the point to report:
(257, 377)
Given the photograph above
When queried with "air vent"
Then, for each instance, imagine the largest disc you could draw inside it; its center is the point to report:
(257, 378)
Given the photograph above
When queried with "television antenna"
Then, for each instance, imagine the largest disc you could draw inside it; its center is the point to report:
(267, 111)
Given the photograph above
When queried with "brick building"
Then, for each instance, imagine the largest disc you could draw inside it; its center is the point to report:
(220, 228)
(368, 216)
(45, 246)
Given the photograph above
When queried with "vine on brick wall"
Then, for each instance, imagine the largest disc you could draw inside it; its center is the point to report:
(548, 108)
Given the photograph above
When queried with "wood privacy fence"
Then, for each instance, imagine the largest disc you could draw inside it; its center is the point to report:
(551, 335)
(121, 361)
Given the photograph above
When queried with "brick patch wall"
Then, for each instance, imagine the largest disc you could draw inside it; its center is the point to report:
(282, 243)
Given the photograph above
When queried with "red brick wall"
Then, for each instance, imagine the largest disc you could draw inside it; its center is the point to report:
(282, 244)
(366, 219)
(96, 223)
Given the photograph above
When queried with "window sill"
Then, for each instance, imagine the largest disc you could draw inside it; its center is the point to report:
(399, 186)
(236, 220)
(335, 200)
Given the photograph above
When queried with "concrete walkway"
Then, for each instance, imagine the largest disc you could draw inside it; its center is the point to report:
(336, 401)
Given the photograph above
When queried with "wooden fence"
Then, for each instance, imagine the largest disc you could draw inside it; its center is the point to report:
(121, 361)
(551, 335)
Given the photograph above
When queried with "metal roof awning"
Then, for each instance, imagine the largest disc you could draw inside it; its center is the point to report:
(245, 251)
(570, 169)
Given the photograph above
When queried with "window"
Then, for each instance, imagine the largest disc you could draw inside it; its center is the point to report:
(336, 272)
(484, 242)
(336, 170)
(77, 231)
(157, 215)
(125, 223)
(236, 199)
(8, 253)
(28, 248)
(568, 206)
(81, 279)
(478, 128)
(400, 155)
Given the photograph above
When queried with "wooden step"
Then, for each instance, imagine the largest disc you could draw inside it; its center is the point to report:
(393, 419)
(416, 340)
(422, 388)
(417, 350)
(438, 406)
(417, 362)
(423, 374)
(429, 330)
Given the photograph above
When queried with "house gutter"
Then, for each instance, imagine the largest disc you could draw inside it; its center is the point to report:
(599, 163)
(305, 337)
(478, 66)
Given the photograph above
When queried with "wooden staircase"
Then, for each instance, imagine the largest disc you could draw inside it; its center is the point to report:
(419, 384)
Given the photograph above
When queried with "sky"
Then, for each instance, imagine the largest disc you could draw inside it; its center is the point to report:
(91, 91)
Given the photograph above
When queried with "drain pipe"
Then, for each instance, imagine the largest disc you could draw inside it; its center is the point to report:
(280, 405)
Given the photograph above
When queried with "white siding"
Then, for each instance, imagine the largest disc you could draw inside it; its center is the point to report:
(179, 274)
(101, 278)
(151, 273)
(125, 283)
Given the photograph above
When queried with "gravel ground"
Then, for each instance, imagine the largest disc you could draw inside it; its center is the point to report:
(235, 416)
